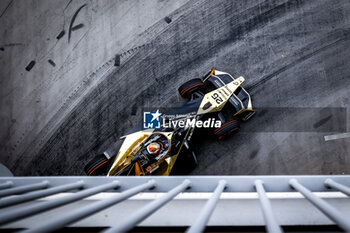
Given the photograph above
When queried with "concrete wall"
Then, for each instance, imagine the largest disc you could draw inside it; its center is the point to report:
(293, 54)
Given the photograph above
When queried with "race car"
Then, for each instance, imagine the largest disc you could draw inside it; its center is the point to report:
(217, 97)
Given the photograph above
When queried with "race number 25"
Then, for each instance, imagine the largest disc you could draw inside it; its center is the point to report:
(217, 98)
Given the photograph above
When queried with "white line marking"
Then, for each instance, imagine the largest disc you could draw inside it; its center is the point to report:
(336, 136)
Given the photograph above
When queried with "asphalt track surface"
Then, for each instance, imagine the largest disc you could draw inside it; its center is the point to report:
(293, 54)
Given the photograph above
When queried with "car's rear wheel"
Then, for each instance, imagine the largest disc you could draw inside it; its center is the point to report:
(227, 128)
(190, 86)
(184, 164)
(97, 166)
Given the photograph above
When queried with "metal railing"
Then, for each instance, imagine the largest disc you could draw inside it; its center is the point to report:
(22, 197)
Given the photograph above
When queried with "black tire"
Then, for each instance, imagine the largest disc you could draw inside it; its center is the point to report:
(227, 128)
(97, 166)
(184, 164)
(190, 86)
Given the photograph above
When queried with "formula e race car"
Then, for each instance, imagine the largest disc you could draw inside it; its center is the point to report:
(217, 101)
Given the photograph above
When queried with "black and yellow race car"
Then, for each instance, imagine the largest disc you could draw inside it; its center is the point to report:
(218, 100)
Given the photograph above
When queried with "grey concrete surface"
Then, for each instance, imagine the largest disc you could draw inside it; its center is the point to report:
(293, 54)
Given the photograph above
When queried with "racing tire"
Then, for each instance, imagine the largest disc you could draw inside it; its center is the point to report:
(190, 86)
(184, 164)
(227, 128)
(97, 166)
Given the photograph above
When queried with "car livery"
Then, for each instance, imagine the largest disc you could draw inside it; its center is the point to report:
(217, 96)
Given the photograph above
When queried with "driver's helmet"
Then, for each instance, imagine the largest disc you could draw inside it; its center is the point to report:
(154, 148)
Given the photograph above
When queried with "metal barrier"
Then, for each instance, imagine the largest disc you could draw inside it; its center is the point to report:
(22, 197)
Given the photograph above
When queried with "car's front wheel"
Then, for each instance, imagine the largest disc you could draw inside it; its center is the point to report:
(227, 128)
(190, 86)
